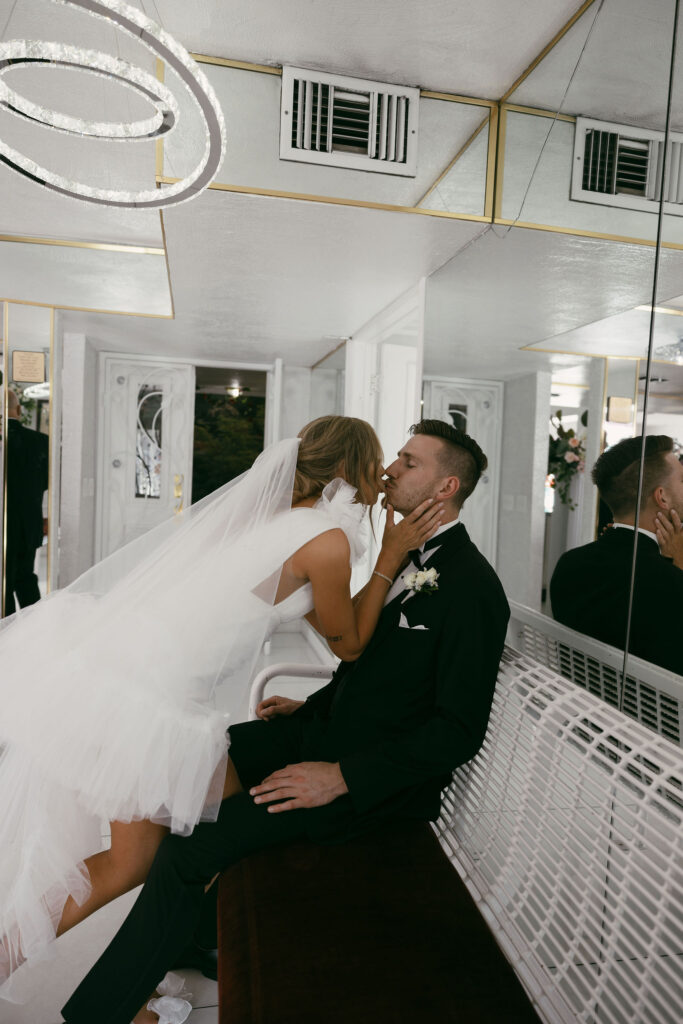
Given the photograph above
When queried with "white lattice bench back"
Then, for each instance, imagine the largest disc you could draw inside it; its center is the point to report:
(653, 696)
(566, 828)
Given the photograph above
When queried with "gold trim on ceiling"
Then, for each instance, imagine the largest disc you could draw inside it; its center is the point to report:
(145, 250)
(455, 159)
(669, 310)
(490, 193)
(500, 165)
(243, 65)
(592, 355)
(168, 264)
(330, 353)
(571, 352)
(546, 49)
(584, 233)
(453, 97)
(88, 309)
(337, 201)
(517, 108)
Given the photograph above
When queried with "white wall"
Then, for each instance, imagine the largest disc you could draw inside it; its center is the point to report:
(523, 472)
(79, 450)
(296, 400)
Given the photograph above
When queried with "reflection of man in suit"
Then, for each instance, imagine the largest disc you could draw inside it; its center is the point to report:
(27, 478)
(378, 743)
(589, 589)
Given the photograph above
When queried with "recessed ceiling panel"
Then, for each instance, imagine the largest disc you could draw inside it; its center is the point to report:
(101, 279)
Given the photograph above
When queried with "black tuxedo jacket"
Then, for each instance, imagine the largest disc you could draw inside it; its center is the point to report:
(589, 592)
(27, 479)
(415, 705)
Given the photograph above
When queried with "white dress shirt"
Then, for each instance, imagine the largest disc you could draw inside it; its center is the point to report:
(399, 583)
(628, 526)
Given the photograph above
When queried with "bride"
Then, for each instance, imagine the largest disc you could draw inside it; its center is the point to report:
(120, 716)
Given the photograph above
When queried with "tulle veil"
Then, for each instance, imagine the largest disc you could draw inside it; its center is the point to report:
(91, 678)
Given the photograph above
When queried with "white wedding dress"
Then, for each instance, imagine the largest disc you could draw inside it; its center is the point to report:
(115, 693)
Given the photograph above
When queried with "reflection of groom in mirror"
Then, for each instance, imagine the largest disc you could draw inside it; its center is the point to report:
(590, 586)
(27, 480)
(378, 743)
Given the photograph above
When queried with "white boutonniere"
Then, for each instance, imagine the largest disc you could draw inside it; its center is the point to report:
(422, 580)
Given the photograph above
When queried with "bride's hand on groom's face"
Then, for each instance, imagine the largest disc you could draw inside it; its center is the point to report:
(413, 530)
(272, 706)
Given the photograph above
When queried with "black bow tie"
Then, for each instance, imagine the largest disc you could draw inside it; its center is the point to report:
(416, 555)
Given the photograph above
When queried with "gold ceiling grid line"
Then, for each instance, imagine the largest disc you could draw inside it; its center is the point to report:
(168, 264)
(87, 309)
(143, 250)
(337, 201)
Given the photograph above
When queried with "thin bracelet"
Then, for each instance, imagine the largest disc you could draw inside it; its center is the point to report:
(387, 578)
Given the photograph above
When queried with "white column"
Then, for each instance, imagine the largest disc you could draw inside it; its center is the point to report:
(79, 454)
(522, 482)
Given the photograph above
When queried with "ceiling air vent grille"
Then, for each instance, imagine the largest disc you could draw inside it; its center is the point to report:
(348, 122)
(618, 165)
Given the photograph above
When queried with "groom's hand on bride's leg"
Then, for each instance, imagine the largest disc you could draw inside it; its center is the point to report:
(297, 786)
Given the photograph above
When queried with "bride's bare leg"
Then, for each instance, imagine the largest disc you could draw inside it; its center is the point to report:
(117, 870)
(126, 864)
(232, 781)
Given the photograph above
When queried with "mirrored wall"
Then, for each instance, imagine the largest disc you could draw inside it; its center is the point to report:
(28, 333)
(553, 306)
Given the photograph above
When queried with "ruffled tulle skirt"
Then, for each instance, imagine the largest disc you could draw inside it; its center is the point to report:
(101, 736)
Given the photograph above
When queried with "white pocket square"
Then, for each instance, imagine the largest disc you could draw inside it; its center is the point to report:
(404, 624)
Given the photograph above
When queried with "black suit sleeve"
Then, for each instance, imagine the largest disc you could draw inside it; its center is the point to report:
(320, 702)
(466, 667)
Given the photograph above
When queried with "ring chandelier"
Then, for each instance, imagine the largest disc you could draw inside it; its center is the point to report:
(129, 19)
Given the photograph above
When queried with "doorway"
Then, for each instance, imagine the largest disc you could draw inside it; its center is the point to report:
(229, 421)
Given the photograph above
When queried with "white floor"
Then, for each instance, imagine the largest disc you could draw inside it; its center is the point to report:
(45, 987)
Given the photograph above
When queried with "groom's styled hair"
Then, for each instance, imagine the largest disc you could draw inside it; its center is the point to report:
(616, 472)
(460, 455)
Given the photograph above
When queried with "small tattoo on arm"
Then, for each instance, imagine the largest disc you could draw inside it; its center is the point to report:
(333, 639)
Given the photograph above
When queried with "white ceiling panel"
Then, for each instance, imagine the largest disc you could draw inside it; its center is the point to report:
(559, 292)
(612, 65)
(478, 49)
(257, 277)
(58, 275)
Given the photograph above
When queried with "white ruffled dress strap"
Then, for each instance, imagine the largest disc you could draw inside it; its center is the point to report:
(338, 502)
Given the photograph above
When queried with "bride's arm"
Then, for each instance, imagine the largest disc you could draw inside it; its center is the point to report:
(346, 626)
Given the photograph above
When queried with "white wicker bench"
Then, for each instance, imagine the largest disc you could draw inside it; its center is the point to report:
(652, 695)
(566, 829)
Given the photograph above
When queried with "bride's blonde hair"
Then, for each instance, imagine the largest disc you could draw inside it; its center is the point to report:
(332, 446)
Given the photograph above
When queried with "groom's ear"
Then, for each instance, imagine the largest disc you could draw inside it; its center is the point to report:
(449, 488)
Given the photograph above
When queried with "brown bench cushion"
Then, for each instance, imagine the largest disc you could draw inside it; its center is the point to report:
(380, 930)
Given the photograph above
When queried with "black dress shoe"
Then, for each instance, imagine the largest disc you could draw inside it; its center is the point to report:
(204, 960)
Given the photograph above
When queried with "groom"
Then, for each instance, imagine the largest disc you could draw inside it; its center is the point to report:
(377, 744)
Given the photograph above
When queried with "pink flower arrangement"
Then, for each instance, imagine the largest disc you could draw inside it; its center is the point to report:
(566, 456)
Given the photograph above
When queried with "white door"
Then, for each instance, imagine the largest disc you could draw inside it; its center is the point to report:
(145, 452)
(477, 408)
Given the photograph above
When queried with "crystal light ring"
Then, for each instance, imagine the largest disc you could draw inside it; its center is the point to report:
(162, 45)
(21, 52)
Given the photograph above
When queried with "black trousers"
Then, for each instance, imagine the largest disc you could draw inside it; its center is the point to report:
(165, 915)
(20, 577)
